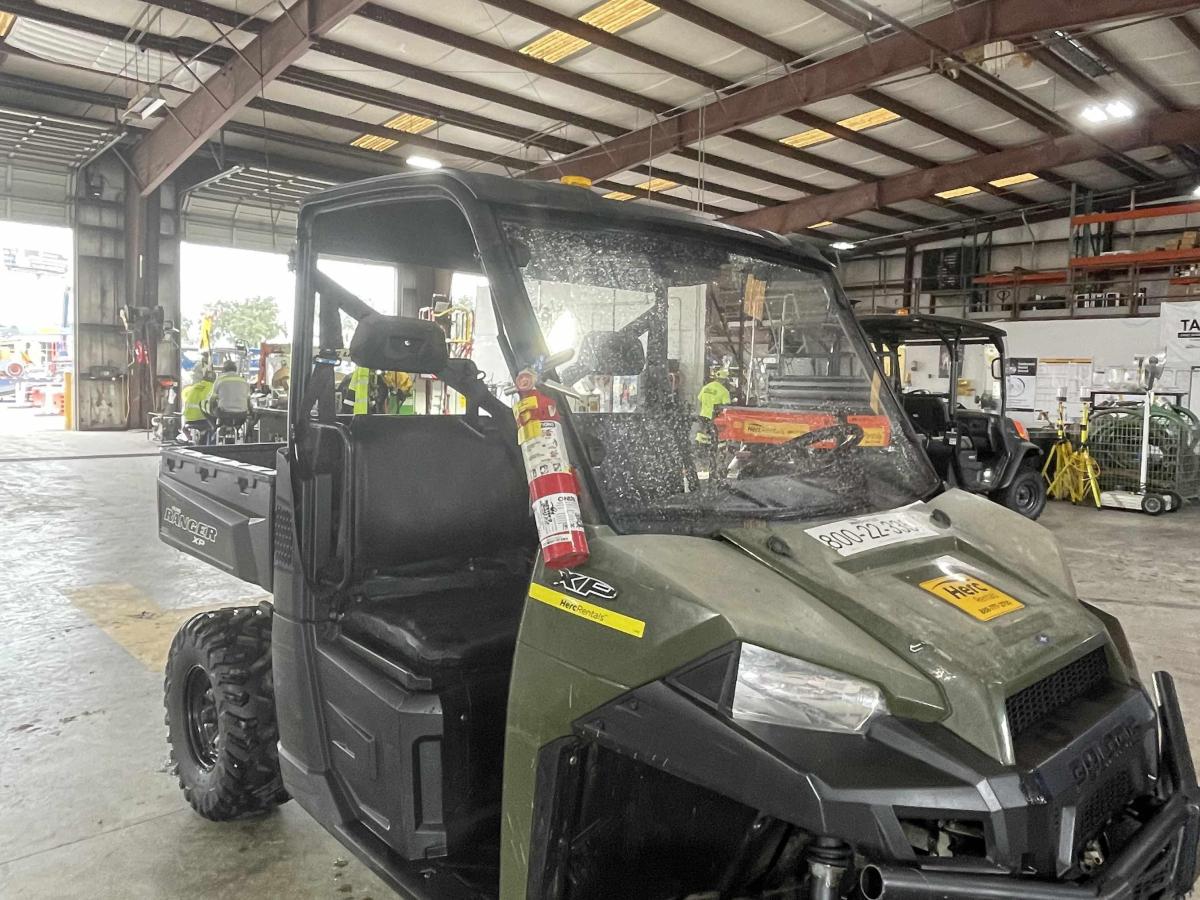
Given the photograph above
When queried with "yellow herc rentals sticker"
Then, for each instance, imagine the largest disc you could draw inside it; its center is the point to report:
(976, 598)
(589, 611)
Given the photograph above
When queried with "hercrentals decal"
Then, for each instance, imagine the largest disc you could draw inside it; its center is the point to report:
(200, 532)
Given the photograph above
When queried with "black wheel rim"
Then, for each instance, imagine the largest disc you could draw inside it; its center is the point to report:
(201, 708)
(1025, 497)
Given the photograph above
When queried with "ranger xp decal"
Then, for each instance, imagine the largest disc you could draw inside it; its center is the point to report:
(200, 532)
(585, 585)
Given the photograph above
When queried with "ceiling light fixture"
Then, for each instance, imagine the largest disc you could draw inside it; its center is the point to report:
(619, 195)
(423, 162)
(842, 245)
(657, 184)
(1112, 110)
(145, 104)
(611, 16)
(1013, 179)
(1196, 192)
(824, 224)
(963, 191)
(870, 119)
(1118, 109)
(6, 23)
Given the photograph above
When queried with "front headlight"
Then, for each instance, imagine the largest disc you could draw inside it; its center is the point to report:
(781, 690)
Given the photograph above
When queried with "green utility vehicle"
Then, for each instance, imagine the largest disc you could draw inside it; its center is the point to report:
(827, 676)
(979, 450)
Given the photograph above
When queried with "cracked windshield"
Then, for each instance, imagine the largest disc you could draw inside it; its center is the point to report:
(689, 423)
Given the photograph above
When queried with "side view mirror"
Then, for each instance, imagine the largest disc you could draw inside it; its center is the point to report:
(997, 369)
(607, 353)
(399, 344)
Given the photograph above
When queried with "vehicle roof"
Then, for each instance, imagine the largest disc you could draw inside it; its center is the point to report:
(919, 328)
(501, 191)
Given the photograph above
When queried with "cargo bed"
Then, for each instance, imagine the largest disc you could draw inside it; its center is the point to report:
(217, 504)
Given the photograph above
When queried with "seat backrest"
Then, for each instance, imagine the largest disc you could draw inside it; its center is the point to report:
(927, 412)
(982, 428)
(436, 488)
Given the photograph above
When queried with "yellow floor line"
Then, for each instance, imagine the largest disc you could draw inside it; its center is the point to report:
(134, 620)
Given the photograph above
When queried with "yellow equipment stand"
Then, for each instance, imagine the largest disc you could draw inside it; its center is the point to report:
(1076, 473)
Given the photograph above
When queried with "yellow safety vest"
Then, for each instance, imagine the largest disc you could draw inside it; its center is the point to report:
(712, 395)
(360, 385)
(195, 397)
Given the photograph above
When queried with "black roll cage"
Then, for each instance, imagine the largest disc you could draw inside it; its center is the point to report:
(485, 201)
(888, 333)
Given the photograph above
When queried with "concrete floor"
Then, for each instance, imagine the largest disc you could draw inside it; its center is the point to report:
(92, 599)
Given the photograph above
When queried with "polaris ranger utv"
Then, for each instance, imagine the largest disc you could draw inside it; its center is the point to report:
(979, 450)
(827, 677)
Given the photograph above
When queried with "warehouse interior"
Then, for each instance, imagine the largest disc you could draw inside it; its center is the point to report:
(1003, 194)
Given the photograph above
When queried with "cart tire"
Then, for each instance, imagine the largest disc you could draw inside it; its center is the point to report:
(1175, 500)
(1153, 504)
(220, 718)
(1026, 493)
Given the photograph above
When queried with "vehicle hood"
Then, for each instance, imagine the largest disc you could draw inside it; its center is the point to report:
(975, 663)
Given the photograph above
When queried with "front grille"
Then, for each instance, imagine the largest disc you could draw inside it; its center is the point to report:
(1108, 799)
(1029, 706)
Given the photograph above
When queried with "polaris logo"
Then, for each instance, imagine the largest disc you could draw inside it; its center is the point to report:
(1097, 757)
(585, 586)
(199, 532)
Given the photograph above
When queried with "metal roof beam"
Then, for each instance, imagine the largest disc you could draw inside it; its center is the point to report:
(995, 221)
(731, 31)
(383, 15)
(1140, 83)
(844, 74)
(202, 114)
(983, 85)
(1147, 131)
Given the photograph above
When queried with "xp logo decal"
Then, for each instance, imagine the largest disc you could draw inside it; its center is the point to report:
(585, 586)
(200, 532)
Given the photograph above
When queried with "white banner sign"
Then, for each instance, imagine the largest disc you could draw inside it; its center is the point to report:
(1179, 325)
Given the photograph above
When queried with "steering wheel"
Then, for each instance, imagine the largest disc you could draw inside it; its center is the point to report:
(782, 458)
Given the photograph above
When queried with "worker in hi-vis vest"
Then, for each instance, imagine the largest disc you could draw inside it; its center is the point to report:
(195, 405)
(712, 395)
(360, 387)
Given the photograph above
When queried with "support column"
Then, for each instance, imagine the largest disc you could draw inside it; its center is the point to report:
(910, 256)
(126, 296)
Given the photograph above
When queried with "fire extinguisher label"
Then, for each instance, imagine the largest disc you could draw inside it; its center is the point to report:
(557, 516)
(546, 454)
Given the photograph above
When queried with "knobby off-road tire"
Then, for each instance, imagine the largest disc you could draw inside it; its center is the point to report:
(221, 713)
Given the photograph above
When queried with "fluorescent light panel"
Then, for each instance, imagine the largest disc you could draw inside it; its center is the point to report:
(824, 224)
(6, 23)
(657, 184)
(1013, 179)
(619, 195)
(957, 192)
(409, 123)
(870, 119)
(611, 16)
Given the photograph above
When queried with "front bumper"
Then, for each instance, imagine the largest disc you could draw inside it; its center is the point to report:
(1158, 862)
(868, 789)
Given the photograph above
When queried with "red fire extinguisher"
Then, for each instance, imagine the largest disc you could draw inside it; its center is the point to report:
(553, 490)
